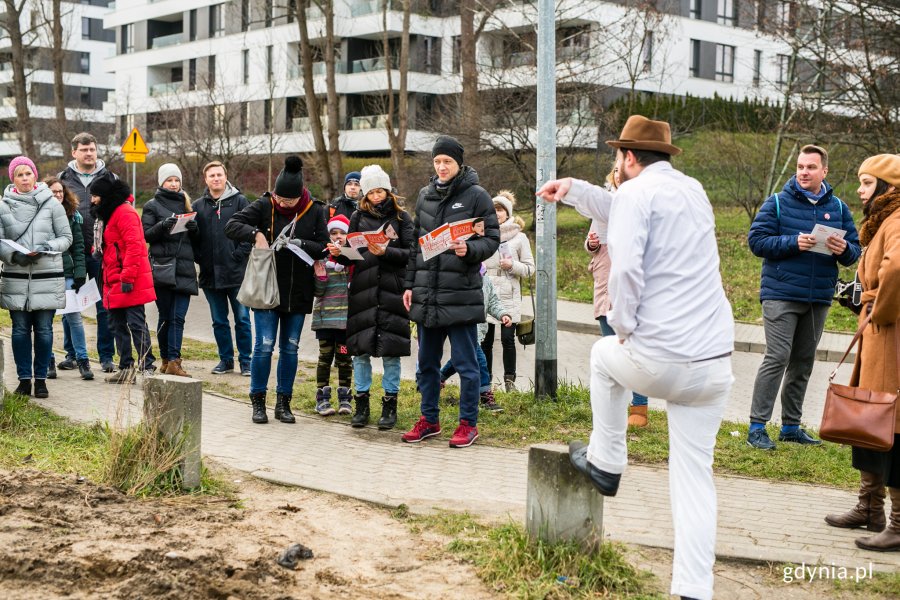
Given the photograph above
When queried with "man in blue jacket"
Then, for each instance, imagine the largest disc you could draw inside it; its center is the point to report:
(798, 279)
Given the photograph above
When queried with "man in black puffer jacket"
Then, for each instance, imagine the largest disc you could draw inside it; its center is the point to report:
(444, 295)
(223, 262)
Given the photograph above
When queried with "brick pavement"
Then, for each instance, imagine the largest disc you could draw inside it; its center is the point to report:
(783, 523)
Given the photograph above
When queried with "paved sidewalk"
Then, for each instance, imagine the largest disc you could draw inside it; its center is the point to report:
(758, 520)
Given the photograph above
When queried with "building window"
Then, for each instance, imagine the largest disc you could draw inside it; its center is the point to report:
(192, 74)
(456, 53)
(291, 10)
(85, 28)
(192, 25)
(695, 58)
(696, 11)
(647, 51)
(212, 72)
(269, 8)
(725, 13)
(267, 115)
(245, 15)
(724, 63)
(784, 66)
(245, 65)
(245, 118)
(784, 14)
(217, 20)
(269, 65)
(757, 67)
(128, 38)
(84, 62)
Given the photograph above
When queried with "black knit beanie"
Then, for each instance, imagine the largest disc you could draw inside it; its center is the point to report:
(449, 146)
(109, 188)
(289, 183)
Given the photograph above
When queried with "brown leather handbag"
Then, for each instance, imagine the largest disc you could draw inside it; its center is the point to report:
(859, 417)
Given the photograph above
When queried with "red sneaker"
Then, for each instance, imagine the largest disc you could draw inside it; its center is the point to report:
(464, 436)
(421, 430)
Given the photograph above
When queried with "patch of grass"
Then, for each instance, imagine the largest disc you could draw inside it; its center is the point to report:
(881, 585)
(508, 561)
(135, 460)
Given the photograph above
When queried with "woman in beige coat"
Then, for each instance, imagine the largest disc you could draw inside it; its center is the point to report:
(876, 363)
(512, 262)
(595, 243)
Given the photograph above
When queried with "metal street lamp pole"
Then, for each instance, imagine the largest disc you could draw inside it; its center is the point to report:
(545, 355)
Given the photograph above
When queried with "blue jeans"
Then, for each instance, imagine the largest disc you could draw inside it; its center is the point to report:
(172, 307)
(105, 339)
(448, 371)
(218, 309)
(267, 324)
(73, 331)
(605, 330)
(362, 374)
(24, 322)
(463, 341)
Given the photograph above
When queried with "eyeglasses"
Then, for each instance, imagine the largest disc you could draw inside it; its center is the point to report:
(57, 192)
(281, 200)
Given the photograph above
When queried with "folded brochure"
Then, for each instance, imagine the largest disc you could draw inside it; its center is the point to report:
(439, 240)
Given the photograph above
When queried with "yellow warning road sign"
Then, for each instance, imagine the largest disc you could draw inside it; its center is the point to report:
(134, 144)
(134, 157)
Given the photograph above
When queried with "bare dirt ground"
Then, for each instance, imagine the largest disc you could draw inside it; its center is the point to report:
(61, 538)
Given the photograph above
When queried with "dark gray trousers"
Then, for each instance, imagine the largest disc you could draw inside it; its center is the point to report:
(792, 330)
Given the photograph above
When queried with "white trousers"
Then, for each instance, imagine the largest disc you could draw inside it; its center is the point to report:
(696, 394)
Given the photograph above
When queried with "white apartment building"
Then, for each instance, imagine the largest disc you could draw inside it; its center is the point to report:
(86, 77)
(177, 60)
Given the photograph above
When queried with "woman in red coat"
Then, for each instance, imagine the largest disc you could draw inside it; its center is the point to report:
(127, 279)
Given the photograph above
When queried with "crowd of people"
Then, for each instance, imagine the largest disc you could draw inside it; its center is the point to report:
(82, 225)
(666, 324)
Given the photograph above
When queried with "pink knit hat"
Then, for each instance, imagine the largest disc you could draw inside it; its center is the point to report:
(18, 162)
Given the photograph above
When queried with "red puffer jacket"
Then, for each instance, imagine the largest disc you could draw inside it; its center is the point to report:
(125, 260)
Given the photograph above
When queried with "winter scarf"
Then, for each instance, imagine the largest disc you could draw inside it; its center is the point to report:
(293, 211)
(882, 207)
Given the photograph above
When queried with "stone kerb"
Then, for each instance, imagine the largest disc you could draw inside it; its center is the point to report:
(561, 504)
(175, 404)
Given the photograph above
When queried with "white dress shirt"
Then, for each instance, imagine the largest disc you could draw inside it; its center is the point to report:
(665, 289)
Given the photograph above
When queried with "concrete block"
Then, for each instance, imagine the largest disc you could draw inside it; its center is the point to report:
(176, 404)
(561, 504)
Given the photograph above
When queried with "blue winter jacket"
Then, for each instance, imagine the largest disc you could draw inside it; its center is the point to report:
(787, 273)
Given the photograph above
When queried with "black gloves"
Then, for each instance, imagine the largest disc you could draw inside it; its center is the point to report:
(79, 281)
(192, 226)
(127, 287)
(169, 223)
(42, 248)
(23, 260)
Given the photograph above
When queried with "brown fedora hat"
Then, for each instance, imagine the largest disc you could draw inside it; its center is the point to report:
(640, 133)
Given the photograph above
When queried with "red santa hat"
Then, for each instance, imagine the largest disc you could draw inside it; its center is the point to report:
(339, 222)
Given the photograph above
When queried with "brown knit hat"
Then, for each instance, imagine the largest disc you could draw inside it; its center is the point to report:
(883, 166)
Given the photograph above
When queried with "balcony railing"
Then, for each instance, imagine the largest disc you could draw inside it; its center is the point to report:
(295, 72)
(369, 122)
(161, 89)
(167, 40)
(366, 65)
(367, 7)
(304, 124)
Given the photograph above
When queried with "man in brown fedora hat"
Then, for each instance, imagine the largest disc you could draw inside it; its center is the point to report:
(674, 334)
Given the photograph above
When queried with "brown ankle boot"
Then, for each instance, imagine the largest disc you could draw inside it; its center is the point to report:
(889, 539)
(869, 512)
(174, 368)
(164, 366)
(637, 416)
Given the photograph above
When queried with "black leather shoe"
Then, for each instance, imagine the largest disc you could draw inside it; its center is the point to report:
(799, 437)
(606, 483)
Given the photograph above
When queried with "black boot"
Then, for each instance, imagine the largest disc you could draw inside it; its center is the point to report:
(283, 409)
(51, 368)
(388, 413)
(258, 401)
(361, 416)
(40, 389)
(24, 387)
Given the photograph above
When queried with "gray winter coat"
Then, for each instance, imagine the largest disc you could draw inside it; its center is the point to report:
(32, 219)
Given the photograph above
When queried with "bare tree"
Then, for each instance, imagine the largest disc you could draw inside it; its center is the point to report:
(397, 106)
(18, 44)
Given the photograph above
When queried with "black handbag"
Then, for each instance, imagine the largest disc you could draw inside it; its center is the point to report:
(164, 269)
(525, 327)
